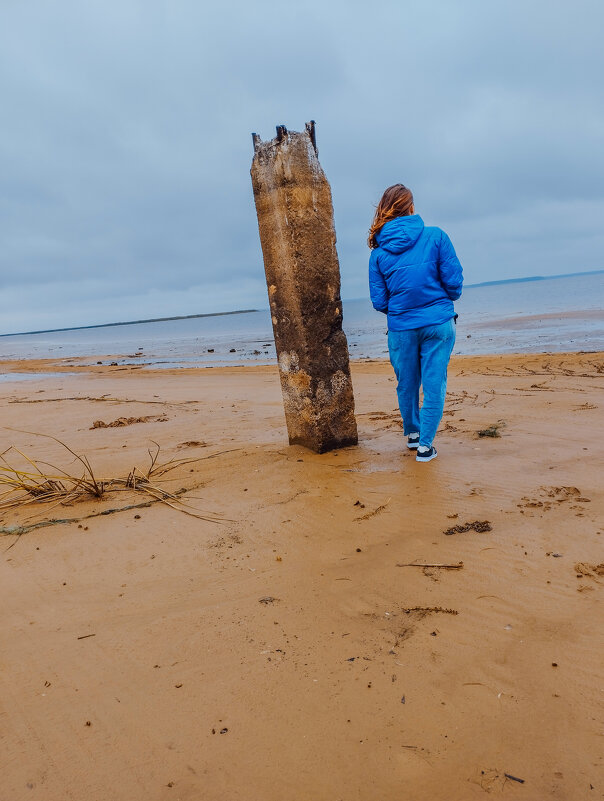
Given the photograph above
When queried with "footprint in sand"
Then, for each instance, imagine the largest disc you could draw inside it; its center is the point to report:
(551, 496)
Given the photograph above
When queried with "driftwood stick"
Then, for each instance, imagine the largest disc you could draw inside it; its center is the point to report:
(457, 566)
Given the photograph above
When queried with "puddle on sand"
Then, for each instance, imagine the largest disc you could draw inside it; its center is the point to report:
(7, 377)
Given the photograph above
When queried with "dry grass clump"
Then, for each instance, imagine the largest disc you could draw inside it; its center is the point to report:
(36, 481)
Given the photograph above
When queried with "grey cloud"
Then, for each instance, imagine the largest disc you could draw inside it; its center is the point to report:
(126, 146)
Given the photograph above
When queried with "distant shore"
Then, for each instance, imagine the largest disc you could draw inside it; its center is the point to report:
(129, 322)
(533, 278)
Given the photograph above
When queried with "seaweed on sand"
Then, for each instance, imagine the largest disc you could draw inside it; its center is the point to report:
(492, 430)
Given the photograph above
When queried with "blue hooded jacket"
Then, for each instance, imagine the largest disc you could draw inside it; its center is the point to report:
(414, 274)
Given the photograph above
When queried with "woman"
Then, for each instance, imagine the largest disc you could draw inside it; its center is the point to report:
(414, 277)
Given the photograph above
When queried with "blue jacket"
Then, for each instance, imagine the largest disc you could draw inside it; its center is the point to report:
(414, 274)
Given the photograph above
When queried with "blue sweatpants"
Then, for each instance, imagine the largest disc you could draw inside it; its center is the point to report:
(420, 357)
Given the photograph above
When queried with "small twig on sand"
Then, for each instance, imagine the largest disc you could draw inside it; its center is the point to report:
(18, 531)
(513, 778)
(106, 399)
(375, 512)
(458, 566)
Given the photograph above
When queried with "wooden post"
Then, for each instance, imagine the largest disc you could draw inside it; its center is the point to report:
(295, 219)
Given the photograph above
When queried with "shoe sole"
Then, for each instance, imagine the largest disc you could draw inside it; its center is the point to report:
(420, 458)
(413, 446)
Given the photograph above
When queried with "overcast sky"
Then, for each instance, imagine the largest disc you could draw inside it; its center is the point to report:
(125, 141)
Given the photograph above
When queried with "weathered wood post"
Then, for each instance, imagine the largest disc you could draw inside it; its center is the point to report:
(297, 233)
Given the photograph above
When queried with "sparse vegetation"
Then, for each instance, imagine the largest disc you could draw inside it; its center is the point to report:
(25, 482)
(492, 430)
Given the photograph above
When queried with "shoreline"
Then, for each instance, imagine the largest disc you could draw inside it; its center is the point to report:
(552, 332)
(69, 365)
(50, 367)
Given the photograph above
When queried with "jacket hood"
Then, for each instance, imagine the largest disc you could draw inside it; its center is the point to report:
(401, 233)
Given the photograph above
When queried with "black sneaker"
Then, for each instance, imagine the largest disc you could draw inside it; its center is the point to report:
(413, 441)
(426, 456)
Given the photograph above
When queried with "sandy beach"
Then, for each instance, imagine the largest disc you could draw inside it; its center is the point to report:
(348, 626)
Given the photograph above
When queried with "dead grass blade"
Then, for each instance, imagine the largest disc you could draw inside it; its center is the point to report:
(46, 483)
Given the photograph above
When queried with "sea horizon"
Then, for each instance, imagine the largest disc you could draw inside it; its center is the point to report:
(524, 279)
(535, 314)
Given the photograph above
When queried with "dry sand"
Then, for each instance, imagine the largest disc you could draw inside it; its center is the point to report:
(284, 653)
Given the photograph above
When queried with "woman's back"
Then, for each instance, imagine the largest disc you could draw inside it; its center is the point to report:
(414, 274)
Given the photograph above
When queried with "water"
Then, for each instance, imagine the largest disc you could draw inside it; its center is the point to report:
(555, 314)
(6, 377)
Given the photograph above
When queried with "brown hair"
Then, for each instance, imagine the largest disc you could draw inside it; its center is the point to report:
(397, 201)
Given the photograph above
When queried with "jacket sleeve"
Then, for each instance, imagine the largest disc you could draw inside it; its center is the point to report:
(377, 285)
(449, 268)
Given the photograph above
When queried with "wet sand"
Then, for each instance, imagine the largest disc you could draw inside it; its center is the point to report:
(292, 651)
